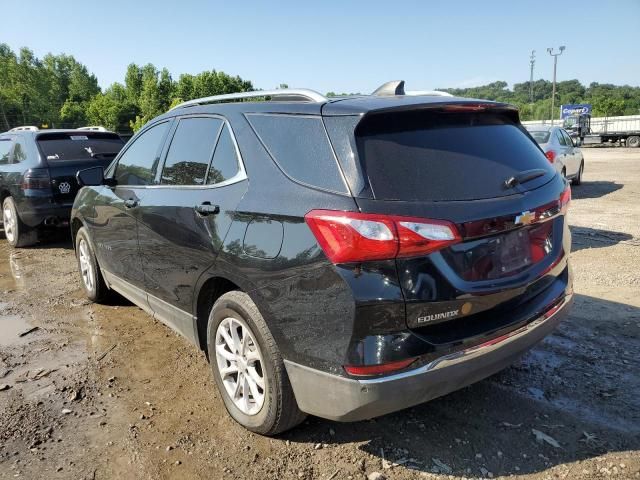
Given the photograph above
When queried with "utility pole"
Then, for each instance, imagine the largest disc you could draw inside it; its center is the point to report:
(555, 66)
(532, 62)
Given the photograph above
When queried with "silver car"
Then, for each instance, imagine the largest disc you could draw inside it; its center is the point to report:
(560, 149)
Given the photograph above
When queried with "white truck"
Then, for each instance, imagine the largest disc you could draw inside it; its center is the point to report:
(600, 130)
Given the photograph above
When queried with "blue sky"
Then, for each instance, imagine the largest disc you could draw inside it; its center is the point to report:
(344, 46)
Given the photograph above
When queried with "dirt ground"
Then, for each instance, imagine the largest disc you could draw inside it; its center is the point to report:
(101, 392)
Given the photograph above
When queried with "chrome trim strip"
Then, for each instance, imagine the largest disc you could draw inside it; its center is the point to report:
(310, 95)
(472, 352)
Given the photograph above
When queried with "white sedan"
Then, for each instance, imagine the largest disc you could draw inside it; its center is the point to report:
(560, 150)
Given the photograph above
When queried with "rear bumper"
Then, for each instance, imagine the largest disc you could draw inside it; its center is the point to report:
(344, 399)
(34, 213)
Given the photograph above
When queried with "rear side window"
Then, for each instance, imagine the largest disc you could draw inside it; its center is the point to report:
(567, 139)
(191, 151)
(225, 160)
(19, 151)
(5, 148)
(300, 147)
(137, 166)
(560, 138)
(440, 156)
(79, 146)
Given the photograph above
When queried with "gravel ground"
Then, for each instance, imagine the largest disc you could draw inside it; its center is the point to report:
(100, 392)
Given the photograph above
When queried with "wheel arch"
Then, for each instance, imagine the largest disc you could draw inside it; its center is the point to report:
(76, 225)
(212, 289)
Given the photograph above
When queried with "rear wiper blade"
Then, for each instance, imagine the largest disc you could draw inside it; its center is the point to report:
(524, 177)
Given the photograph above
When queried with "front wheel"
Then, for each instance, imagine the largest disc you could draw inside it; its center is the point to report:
(248, 368)
(633, 141)
(90, 275)
(17, 233)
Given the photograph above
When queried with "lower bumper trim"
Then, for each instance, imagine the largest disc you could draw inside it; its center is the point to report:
(345, 399)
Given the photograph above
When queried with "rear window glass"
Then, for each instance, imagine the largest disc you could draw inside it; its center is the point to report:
(79, 146)
(540, 136)
(300, 147)
(439, 156)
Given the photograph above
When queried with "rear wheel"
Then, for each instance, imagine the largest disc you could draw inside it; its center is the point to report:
(578, 180)
(633, 141)
(90, 274)
(16, 232)
(248, 368)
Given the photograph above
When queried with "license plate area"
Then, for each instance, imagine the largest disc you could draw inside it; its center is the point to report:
(501, 255)
(510, 253)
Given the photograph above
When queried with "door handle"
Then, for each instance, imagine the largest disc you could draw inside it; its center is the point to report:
(130, 203)
(206, 208)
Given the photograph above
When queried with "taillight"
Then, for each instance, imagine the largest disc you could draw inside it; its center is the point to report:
(551, 156)
(368, 370)
(565, 198)
(36, 180)
(356, 237)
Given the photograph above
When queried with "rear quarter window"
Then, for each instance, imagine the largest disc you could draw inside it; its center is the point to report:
(300, 147)
(443, 156)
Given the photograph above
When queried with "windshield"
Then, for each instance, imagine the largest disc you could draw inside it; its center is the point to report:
(540, 136)
(79, 146)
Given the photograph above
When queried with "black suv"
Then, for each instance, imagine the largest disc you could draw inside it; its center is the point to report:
(38, 176)
(342, 257)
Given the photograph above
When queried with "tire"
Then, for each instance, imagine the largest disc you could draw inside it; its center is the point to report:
(578, 180)
(90, 275)
(633, 141)
(272, 409)
(17, 233)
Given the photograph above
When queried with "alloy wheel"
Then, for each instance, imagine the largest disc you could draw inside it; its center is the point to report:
(240, 365)
(9, 221)
(86, 267)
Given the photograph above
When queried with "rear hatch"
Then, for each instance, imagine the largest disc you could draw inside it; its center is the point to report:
(473, 171)
(67, 152)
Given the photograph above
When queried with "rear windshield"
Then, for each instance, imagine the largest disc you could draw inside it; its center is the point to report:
(439, 155)
(79, 146)
(540, 136)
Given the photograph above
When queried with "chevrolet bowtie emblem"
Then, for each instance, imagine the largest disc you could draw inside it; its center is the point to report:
(525, 218)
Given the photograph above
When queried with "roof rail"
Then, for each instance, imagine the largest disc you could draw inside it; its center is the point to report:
(93, 128)
(24, 129)
(433, 93)
(285, 94)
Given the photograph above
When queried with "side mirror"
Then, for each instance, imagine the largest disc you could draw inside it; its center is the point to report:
(93, 176)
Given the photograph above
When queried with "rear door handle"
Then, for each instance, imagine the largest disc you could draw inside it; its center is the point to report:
(206, 208)
(130, 203)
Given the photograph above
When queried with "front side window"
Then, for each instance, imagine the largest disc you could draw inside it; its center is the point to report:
(138, 164)
(191, 151)
(5, 148)
(225, 159)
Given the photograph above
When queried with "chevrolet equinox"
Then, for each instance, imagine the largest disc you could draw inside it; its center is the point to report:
(344, 257)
